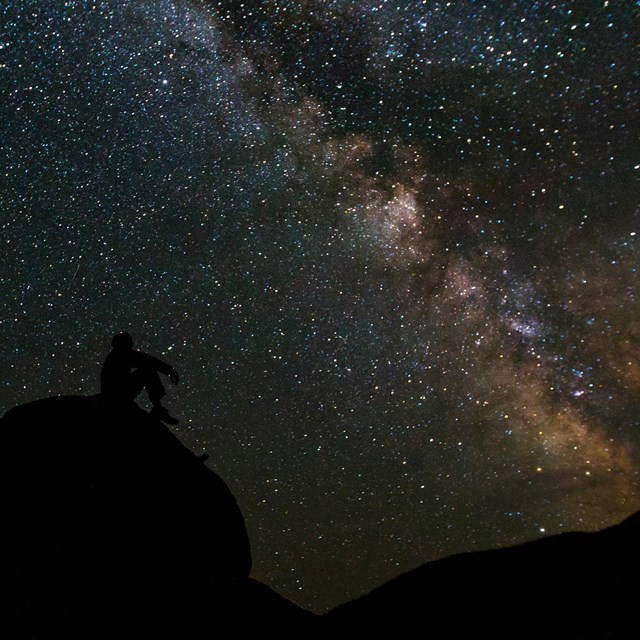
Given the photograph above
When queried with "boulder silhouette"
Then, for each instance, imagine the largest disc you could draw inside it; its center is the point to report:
(112, 528)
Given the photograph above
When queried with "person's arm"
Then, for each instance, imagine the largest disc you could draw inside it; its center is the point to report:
(141, 359)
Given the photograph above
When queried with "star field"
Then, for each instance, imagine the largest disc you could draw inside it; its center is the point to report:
(391, 247)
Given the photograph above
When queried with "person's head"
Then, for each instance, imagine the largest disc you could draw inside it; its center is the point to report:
(122, 341)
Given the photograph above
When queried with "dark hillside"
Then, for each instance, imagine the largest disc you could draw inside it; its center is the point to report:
(573, 586)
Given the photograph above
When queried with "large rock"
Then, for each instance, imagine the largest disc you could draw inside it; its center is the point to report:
(112, 528)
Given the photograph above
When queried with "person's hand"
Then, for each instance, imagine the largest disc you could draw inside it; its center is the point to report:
(174, 377)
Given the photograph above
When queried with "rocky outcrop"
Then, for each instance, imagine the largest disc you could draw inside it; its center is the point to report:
(112, 528)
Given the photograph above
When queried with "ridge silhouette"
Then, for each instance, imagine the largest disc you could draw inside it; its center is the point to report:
(578, 585)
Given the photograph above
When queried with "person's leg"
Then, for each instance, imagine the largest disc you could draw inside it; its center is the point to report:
(153, 385)
(135, 384)
(150, 380)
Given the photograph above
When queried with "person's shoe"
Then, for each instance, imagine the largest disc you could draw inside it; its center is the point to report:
(160, 413)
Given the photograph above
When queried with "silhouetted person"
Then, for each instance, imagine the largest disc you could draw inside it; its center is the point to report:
(126, 372)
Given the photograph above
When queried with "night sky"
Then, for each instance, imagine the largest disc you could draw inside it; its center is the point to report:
(391, 247)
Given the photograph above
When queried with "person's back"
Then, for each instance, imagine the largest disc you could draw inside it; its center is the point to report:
(116, 373)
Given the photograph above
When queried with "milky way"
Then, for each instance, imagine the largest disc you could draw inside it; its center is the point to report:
(391, 247)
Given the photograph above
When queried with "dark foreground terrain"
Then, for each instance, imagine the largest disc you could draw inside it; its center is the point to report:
(111, 528)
